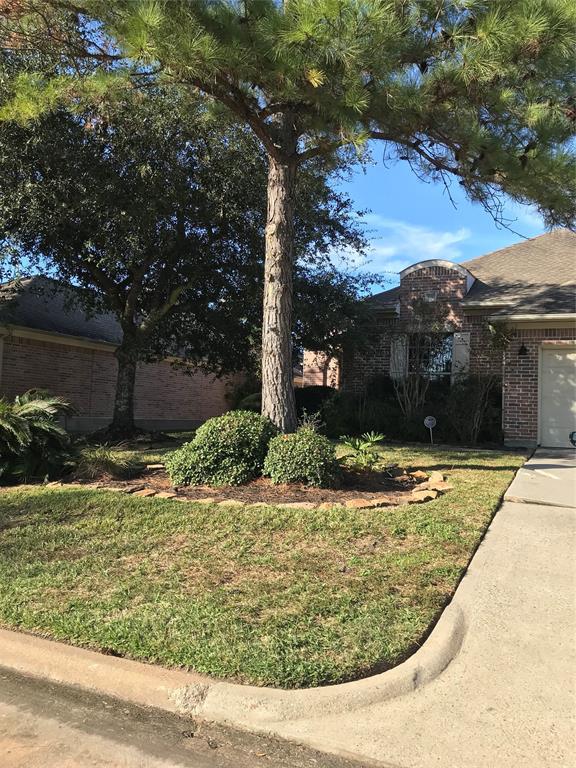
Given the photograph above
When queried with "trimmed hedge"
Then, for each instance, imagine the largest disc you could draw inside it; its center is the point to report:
(302, 457)
(226, 450)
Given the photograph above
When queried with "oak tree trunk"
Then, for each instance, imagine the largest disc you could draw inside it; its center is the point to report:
(278, 402)
(123, 419)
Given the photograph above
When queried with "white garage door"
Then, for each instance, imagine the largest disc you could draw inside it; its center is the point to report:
(557, 397)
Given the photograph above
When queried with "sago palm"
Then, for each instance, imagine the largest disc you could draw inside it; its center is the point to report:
(32, 442)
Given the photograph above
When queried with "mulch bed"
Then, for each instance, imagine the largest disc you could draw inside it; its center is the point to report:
(369, 486)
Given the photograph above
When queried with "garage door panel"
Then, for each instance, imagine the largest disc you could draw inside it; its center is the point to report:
(561, 390)
(557, 397)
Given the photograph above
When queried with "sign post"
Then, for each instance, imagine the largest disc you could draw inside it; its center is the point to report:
(430, 422)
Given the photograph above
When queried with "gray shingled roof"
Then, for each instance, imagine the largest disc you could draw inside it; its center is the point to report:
(534, 276)
(44, 304)
(385, 300)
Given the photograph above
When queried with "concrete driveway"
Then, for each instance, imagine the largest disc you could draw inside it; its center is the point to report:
(508, 699)
(547, 478)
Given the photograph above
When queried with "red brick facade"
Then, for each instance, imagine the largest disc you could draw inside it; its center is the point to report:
(86, 376)
(521, 380)
(441, 284)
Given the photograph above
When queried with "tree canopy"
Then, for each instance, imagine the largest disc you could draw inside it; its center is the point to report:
(476, 90)
(160, 214)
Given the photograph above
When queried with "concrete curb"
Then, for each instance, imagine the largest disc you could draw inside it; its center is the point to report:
(243, 706)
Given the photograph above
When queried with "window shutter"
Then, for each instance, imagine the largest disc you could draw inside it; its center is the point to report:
(460, 355)
(398, 356)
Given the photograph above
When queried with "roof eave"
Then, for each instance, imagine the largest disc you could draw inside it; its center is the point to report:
(534, 317)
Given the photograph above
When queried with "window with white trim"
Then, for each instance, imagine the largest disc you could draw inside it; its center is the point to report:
(430, 354)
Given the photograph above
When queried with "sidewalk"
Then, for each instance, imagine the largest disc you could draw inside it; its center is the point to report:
(508, 699)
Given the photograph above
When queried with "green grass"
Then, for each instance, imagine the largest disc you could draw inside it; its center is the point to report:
(267, 596)
(143, 453)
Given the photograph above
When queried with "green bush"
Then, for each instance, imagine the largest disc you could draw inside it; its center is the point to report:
(467, 412)
(362, 454)
(251, 402)
(302, 457)
(226, 450)
(33, 445)
(96, 461)
(311, 399)
(348, 413)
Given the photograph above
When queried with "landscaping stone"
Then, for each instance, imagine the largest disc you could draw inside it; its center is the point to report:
(329, 505)
(154, 466)
(436, 477)
(134, 488)
(419, 496)
(383, 501)
(209, 500)
(145, 492)
(298, 505)
(358, 504)
(227, 503)
(165, 495)
(419, 475)
(440, 485)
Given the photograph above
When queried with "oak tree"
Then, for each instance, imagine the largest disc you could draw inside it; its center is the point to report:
(155, 212)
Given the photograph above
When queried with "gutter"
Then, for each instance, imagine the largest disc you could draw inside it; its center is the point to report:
(24, 332)
(535, 318)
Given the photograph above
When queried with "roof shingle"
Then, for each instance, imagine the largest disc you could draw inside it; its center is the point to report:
(44, 304)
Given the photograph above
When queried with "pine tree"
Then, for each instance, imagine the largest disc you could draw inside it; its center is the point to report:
(479, 90)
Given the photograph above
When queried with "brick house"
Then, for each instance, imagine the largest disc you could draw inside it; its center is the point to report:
(526, 291)
(47, 343)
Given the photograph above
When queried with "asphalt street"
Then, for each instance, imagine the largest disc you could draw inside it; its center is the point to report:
(49, 726)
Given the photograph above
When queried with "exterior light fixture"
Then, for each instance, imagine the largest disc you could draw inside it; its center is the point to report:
(522, 352)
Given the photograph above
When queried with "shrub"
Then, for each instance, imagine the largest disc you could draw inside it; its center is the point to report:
(302, 457)
(32, 442)
(251, 402)
(348, 413)
(311, 399)
(226, 450)
(362, 454)
(105, 461)
(246, 387)
(474, 409)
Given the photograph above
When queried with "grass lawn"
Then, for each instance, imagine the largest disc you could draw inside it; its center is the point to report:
(267, 596)
(151, 453)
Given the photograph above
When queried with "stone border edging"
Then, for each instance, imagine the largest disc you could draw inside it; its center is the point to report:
(243, 706)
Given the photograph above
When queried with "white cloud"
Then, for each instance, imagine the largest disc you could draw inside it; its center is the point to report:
(396, 244)
(525, 216)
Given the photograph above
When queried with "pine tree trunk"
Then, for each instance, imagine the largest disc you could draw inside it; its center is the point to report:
(278, 402)
(123, 419)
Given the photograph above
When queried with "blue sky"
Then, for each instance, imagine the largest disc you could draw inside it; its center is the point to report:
(410, 220)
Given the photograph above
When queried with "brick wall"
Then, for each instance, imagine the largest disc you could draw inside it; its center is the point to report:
(359, 367)
(484, 357)
(320, 370)
(165, 398)
(520, 374)
(520, 381)
(449, 286)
